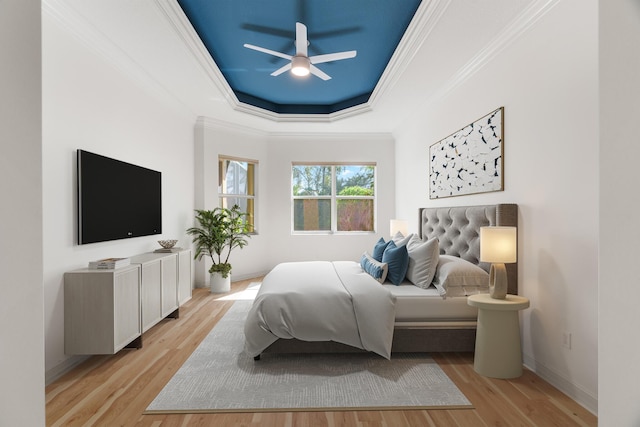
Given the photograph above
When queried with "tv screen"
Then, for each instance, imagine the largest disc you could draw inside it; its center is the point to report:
(116, 200)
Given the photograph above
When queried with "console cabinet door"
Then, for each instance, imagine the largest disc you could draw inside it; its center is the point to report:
(151, 294)
(127, 308)
(101, 310)
(169, 284)
(184, 276)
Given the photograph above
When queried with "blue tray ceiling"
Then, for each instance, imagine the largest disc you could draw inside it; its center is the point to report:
(371, 27)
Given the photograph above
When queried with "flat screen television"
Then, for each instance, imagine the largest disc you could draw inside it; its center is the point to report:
(116, 200)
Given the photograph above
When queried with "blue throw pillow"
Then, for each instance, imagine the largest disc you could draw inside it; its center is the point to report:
(379, 248)
(397, 260)
(375, 269)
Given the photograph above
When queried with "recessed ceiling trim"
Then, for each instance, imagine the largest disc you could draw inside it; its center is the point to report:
(371, 136)
(176, 16)
(505, 38)
(424, 21)
(216, 124)
(313, 118)
(178, 20)
(511, 32)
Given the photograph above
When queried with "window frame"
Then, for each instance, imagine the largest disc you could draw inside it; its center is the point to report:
(252, 217)
(334, 198)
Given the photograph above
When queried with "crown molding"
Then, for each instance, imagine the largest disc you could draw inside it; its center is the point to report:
(217, 124)
(525, 20)
(371, 136)
(308, 118)
(178, 20)
(424, 21)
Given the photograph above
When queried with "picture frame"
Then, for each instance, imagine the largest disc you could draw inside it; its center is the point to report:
(470, 160)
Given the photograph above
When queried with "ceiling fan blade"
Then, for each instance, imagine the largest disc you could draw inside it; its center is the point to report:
(319, 73)
(301, 39)
(282, 70)
(319, 59)
(268, 51)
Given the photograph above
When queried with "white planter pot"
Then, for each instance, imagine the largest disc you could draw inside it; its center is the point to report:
(220, 284)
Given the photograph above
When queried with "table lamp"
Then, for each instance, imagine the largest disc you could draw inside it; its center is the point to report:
(398, 225)
(498, 245)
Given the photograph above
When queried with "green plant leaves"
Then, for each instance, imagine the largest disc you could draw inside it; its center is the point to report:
(218, 230)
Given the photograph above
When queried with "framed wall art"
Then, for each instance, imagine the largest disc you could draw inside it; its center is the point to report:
(470, 160)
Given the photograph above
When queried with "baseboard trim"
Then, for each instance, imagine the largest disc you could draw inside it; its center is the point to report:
(59, 370)
(577, 393)
(239, 277)
(234, 278)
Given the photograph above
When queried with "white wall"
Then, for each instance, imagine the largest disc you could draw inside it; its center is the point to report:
(90, 104)
(619, 347)
(274, 242)
(21, 304)
(546, 79)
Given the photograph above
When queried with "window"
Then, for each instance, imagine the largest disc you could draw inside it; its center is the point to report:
(333, 197)
(237, 185)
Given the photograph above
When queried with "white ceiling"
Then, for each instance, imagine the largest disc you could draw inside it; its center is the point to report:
(447, 41)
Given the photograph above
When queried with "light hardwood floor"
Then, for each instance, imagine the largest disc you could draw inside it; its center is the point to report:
(115, 390)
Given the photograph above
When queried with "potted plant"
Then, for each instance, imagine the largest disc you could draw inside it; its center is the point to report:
(219, 230)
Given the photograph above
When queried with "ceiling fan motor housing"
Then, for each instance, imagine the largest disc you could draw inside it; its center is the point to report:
(300, 65)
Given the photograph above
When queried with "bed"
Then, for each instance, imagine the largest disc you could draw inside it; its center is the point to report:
(301, 308)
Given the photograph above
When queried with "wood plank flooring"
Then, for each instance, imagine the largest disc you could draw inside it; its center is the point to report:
(115, 390)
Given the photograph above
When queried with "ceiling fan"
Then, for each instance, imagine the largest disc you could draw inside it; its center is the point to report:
(301, 64)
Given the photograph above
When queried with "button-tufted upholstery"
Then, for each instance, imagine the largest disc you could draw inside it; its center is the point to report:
(458, 231)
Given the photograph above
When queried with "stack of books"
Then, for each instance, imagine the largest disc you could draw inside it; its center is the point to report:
(109, 263)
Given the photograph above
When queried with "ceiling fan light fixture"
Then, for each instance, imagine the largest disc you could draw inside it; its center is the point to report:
(300, 66)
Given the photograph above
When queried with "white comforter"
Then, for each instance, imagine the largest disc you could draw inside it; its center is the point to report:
(321, 301)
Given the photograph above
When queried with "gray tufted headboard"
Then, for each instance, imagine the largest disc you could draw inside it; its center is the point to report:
(458, 231)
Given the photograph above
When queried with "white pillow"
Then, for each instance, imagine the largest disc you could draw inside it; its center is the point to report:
(423, 261)
(401, 240)
(457, 273)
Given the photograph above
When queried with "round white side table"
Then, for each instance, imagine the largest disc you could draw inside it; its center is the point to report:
(498, 351)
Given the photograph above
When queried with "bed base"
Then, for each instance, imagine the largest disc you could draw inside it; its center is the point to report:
(410, 338)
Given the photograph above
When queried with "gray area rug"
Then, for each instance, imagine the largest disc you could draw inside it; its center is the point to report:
(220, 377)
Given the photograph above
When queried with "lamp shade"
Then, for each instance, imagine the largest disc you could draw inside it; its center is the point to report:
(498, 244)
(396, 225)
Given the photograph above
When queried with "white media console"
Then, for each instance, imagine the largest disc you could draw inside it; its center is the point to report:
(108, 310)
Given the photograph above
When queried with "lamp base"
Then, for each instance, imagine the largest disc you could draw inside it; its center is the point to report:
(498, 281)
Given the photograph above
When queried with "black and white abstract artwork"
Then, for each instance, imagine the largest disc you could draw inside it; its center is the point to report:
(470, 160)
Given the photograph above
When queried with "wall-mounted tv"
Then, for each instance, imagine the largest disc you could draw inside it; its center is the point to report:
(116, 200)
